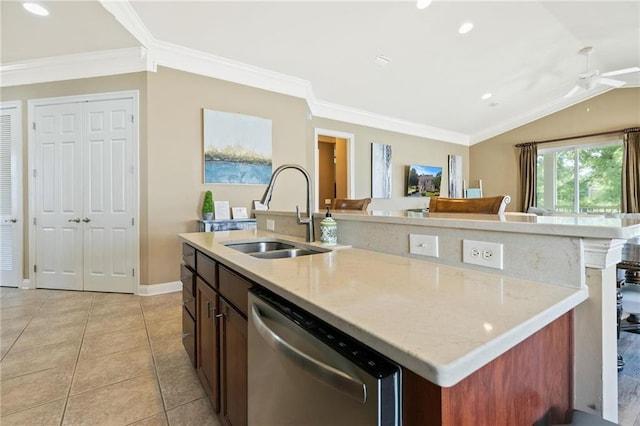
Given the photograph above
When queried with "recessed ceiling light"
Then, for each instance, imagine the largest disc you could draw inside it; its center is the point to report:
(36, 9)
(382, 60)
(423, 4)
(465, 28)
(486, 96)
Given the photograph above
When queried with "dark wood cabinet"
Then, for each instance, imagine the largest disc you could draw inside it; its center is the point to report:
(233, 366)
(188, 279)
(215, 332)
(207, 338)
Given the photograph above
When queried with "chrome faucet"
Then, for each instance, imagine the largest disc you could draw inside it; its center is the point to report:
(266, 198)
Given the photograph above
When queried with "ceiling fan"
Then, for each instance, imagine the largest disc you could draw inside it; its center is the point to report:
(588, 79)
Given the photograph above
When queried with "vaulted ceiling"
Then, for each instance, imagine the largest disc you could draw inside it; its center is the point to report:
(525, 53)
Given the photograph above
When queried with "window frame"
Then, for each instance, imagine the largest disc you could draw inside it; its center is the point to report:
(549, 163)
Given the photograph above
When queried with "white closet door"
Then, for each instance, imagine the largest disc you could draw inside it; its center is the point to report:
(58, 205)
(107, 195)
(10, 197)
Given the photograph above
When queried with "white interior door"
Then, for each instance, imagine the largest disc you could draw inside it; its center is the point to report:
(58, 185)
(108, 187)
(10, 195)
(84, 186)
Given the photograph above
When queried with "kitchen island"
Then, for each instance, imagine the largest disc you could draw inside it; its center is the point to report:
(472, 343)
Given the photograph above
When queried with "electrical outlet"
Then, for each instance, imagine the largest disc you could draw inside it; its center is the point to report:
(482, 253)
(271, 225)
(425, 245)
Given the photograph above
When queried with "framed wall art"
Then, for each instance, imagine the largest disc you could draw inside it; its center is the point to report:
(237, 148)
(380, 171)
(455, 176)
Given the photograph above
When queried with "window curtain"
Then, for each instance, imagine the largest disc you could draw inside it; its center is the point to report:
(630, 171)
(528, 161)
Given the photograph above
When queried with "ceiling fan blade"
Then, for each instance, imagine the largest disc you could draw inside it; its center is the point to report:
(611, 82)
(620, 72)
(572, 91)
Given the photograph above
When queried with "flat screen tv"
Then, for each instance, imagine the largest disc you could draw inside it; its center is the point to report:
(423, 181)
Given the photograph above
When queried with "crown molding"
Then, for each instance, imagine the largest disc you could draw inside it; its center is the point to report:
(70, 67)
(201, 63)
(537, 114)
(126, 15)
(369, 119)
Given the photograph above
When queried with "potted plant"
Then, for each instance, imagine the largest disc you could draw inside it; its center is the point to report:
(207, 206)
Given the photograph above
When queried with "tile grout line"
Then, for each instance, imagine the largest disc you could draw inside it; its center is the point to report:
(155, 364)
(75, 366)
(25, 327)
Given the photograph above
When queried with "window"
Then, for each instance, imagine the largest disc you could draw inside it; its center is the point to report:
(580, 179)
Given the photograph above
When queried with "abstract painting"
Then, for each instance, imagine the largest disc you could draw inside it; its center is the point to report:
(455, 176)
(237, 148)
(380, 170)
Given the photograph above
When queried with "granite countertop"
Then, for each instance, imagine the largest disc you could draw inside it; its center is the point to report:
(440, 321)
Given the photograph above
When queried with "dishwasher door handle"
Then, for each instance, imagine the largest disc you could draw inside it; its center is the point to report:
(338, 380)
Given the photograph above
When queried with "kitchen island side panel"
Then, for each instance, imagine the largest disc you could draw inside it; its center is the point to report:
(530, 383)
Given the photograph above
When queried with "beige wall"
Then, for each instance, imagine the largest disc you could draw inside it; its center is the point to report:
(175, 161)
(495, 160)
(405, 150)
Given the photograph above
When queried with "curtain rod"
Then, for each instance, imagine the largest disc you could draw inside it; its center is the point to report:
(610, 132)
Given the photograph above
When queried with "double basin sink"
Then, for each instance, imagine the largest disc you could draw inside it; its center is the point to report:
(274, 248)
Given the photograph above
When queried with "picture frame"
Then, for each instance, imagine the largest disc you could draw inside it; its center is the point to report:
(455, 176)
(380, 170)
(221, 210)
(239, 213)
(237, 148)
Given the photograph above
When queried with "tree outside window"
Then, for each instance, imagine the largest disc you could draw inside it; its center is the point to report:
(580, 179)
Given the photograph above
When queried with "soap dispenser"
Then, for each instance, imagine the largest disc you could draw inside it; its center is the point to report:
(328, 229)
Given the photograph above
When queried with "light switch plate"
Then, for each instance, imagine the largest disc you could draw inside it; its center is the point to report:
(424, 245)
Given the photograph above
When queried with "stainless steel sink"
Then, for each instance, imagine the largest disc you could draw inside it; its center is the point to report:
(286, 253)
(259, 246)
(274, 248)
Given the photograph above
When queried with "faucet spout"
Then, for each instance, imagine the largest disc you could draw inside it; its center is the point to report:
(308, 221)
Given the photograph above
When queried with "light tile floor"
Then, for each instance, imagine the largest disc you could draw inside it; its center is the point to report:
(83, 358)
(87, 358)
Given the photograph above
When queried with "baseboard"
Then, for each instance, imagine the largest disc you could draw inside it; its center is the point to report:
(26, 284)
(155, 289)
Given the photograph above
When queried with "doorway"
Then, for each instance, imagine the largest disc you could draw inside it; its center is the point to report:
(11, 223)
(334, 166)
(83, 192)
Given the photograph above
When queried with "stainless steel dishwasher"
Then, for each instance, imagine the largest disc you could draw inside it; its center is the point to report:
(303, 371)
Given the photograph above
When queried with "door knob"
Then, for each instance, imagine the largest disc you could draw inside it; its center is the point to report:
(86, 220)
(11, 220)
(76, 220)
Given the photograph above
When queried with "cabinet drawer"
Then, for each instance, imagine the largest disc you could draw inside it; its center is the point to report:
(188, 289)
(189, 255)
(206, 269)
(189, 336)
(234, 288)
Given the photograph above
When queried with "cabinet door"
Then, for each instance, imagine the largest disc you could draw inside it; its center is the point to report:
(207, 341)
(189, 336)
(233, 351)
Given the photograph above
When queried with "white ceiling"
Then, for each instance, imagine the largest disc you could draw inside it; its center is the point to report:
(524, 52)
